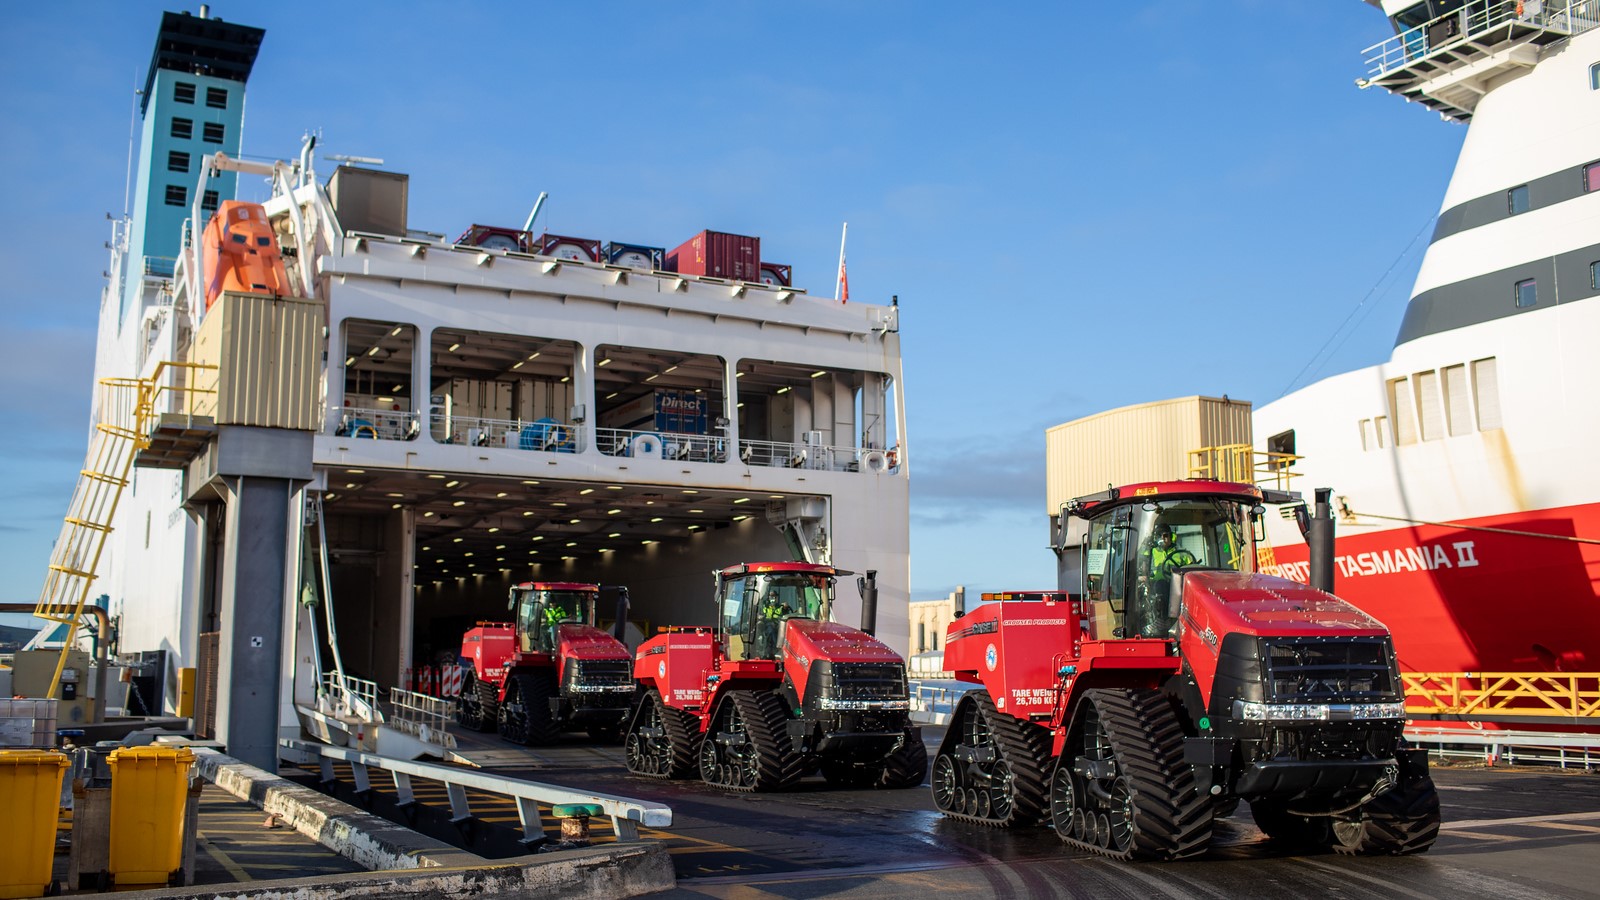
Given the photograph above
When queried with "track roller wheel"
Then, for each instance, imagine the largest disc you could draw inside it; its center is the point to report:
(525, 716)
(662, 742)
(991, 768)
(470, 708)
(747, 747)
(1122, 788)
(1402, 821)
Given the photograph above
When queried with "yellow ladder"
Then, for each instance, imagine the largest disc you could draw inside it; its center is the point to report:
(108, 467)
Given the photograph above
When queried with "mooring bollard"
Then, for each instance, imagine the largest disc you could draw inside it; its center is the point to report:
(575, 822)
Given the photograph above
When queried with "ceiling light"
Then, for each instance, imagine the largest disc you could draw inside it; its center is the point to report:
(385, 399)
(499, 495)
(774, 496)
(652, 378)
(604, 362)
(494, 529)
(742, 500)
(686, 491)
(586, 491)
(669, 369)
(428, 514)
(426, 549)
(569, 558)
(519, 364)
(395, 506)
(738, 374)
(535, 355)
(565, 379)
(612, 512)
(397, 330)
(735, 518)
(468, 553)
(499, 559)
(610, 395)
(538, 537)
(499, 546)
(694, 527)
(613, 487)
(741, 406)
(697, 510)
(333, 496)
(656, 519)
(459, 503)
(572, 521)
(530, 482)
(439, 561)
(819, 373)
(614, 534)
(436, 476)
(783, 390)
(455, 540)
(451, 483)
(533, 553)
(349, 361)
(557, 503)
(355, 471)
(398, 388)
(349, 485)
(374, 351)
(572, 543)
(647, 543)
(605, 549)
(454, 347)
(527, 512)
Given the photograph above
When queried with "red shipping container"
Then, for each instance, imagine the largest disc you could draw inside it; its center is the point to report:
(732, 256)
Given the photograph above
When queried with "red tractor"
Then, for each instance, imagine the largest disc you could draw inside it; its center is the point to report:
(775, 690)
(1180, 682)
(551, 670)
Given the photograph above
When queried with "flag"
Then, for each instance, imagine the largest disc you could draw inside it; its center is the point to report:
(844, 283)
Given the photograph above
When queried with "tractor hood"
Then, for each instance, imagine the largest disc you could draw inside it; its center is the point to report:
(588, 642)
(807, 640)
(1221, 603)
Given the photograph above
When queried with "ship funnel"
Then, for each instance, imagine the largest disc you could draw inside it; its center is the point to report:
(1319, 536)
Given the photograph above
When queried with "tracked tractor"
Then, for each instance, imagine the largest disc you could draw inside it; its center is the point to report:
(550, 670)
(1178, 683)
(775, 690)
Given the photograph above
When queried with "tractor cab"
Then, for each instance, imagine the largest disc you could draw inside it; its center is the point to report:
(543, 607)
(1143, 538)
(755, 600)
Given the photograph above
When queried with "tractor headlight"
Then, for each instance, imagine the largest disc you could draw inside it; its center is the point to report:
(856, 705)
(1316, 712)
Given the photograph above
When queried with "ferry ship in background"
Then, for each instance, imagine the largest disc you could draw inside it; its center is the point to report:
(1464, 467)
(414, 421)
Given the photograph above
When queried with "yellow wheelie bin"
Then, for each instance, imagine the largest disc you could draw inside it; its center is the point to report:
(149, 792)
(30, 795)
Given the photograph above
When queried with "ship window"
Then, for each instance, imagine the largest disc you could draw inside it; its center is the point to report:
(1517, 199)
(1486, 388)
(922, 637)
(1368, 439)
(1527, 293)
(177, 161)
(216, 98)
(1594, 275)
(183, 129)
(208, 201)
(1429, 413)
(1457, 402)
(1591, 177)
(1594, 77)
(183, 91)
(213, 133)
(1400, 410)
(176, 196)
(1380, 424)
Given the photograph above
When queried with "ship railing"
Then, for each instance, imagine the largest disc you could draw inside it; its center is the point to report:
(378, 424)
(548, 435)
(1473, 21)
(627, 815)
(933, 701)
(807, 455)
(175, 388)
(1496, 747)
(1506, 697)
(351, 696)
(1243, 463)
(160, 266)
(673, 445)
(423, 717)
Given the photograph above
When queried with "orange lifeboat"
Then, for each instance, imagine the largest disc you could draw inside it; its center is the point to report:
(241, 253)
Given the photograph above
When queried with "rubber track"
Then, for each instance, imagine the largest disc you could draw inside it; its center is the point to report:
(778, 767)
(1401, 822)
(683, 735)
(485, 699)
(534, 690)
(1171, 819)
(907, 766)
(1025, 747)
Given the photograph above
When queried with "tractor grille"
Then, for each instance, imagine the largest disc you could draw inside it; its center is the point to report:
(869, 681)
(609, 672)
(1328, 670)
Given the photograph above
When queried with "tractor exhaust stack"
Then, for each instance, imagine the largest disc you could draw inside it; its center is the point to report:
(1319, 538)
(869, 601)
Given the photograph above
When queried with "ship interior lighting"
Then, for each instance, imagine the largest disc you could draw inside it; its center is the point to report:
(742, 500)
(455, 540)
(614, 534)
(586, 491)
(355, 471)
(398, 388)
(332, 497)
(558, 503)
(454, 347)
(527, 512)
(395, 506)
(611, 395)
(499, 546)
(534, 356)
(459, 503)
(439, 477)
(783, 390)
(740, 518)
(604, 362)
(349, 360)
(538, 537)
(612, 512)
(605, 549)
(373, 351)
(569, 558)
(688, 491)
(572, 543)
(385, 399)
(573, 521)
(493, 529)
(500, 495)
(669, 370)
(451, 483)
(530, 482)
(397, 330)
(613, 487)
(655, 519)
(818, 374)
(697, 510)
(652, 378)
(428, 514)
(518, 365)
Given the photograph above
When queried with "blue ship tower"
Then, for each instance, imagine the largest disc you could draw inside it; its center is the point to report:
(192, 106)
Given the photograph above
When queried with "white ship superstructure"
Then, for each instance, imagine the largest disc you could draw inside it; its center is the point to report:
(479, 415)
(1462, 462)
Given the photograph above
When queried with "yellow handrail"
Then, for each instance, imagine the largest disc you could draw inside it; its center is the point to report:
(1243, 463)
(1567, 695)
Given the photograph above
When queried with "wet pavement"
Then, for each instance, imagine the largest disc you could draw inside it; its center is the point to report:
(1531, 833)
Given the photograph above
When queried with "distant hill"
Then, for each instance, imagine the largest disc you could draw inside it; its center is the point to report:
(14, 637)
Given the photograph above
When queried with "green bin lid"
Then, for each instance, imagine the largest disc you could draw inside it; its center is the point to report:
(573, 810)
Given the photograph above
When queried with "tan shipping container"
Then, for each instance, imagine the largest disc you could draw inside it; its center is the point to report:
(1144, 442)
(267, 351)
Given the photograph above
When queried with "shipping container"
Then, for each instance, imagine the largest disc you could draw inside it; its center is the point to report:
(369, 200)
(563, 247)
(637, 256)
(732, 256)
(776, 274)
(493, 237)
(1145, 442)
(268, 357)
(675, 412)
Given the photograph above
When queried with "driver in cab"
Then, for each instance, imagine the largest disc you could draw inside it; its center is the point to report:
(1156, 566)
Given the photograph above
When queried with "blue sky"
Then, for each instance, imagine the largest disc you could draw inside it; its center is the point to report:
(1080, 206)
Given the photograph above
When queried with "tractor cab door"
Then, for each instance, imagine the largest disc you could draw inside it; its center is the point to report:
(754, 608)
(541, 613)
(1109, 572)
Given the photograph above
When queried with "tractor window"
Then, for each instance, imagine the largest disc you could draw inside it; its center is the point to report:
(755, 609)
(1106, 571)
(541, 613)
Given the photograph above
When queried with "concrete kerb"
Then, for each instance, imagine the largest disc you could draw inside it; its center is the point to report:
(610, 870)
(625, 870)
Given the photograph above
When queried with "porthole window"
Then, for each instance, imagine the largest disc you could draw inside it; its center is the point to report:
(1517, 199)
(1527, 293)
